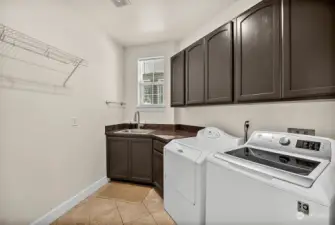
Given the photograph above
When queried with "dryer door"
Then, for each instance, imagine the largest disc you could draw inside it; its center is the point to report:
(180, 170)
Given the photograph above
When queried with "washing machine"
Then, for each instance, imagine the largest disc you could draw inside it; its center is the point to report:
(275, 178)
(185, 173)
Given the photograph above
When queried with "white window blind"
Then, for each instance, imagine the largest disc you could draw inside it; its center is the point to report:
(151, 82)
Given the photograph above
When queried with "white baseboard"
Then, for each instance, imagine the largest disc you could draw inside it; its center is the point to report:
(64, 207)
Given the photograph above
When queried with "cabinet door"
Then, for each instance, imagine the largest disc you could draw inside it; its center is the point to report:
(195, 73)
(178, 79)
(158, 171)
(219, 65)
(309, 48)
(141, 160)
(257, 53)
(117, 157)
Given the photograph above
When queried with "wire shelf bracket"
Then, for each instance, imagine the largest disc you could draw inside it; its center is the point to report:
(72, 72)
(23, 42)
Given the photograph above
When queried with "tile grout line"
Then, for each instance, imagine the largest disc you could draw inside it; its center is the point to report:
(153, 219)
(147, 207)
(122, 200)
(147, 194)
(120, 215)
(117, 208)
(150, 214)
(149, 210)
(108, 199)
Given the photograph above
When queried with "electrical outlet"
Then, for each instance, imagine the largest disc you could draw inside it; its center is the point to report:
(301, 131)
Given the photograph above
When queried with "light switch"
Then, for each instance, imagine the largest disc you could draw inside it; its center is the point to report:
(74, 122)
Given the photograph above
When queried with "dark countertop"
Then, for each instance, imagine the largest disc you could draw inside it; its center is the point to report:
(161, 132)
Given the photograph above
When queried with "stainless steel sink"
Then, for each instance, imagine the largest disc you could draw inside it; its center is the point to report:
(135, 131)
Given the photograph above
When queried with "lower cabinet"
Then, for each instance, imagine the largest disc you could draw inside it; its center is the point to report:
(117, 157)
(141, 160)
(129, 159)
(158, 173)
(136, 159)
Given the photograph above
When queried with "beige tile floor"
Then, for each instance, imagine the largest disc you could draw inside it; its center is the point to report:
(101, 211)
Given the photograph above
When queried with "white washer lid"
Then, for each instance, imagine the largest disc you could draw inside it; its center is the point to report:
(185, 151)
(202, 145)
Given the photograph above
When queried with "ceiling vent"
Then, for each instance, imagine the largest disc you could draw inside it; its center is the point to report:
(121, 3)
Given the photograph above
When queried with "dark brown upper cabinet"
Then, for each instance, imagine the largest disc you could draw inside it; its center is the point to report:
(257, 53)
(178, 79)
(308, 48)
(219, 65)
(276, 50)
(195, 73)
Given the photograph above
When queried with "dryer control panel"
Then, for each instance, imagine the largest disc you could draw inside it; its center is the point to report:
(212, 133)
(215, 134)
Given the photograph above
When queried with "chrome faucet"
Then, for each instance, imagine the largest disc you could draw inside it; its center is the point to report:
(137, 119)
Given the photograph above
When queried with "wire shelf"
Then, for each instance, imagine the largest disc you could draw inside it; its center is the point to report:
(32, 53)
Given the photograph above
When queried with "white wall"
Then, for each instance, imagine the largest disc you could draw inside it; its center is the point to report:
(318, 115)
(131, 56)
(43, 159)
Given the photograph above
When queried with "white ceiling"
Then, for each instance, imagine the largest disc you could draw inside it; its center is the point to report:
(150, 21)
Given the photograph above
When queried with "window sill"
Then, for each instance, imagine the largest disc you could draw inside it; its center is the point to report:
(151, 108)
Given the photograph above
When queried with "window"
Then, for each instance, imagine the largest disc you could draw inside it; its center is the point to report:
(151, 82)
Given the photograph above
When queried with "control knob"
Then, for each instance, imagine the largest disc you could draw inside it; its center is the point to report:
(284, 141)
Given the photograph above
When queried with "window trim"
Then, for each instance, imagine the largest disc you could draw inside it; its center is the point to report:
(149, 107)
